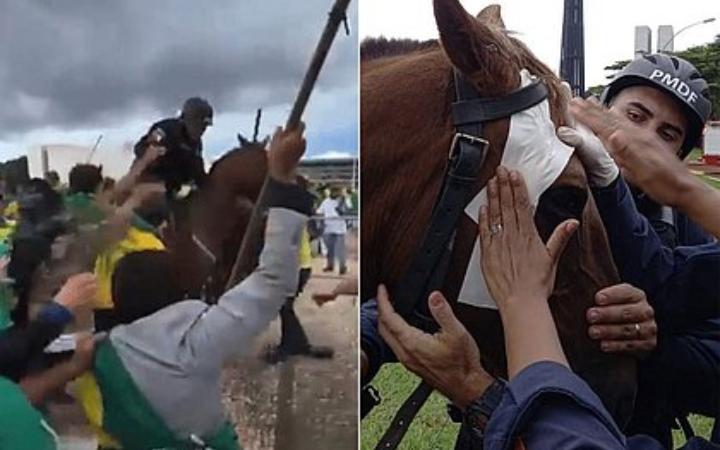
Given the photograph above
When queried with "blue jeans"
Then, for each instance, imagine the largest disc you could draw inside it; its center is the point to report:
(335, 244)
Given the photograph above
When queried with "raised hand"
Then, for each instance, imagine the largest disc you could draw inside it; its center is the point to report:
(286, 149)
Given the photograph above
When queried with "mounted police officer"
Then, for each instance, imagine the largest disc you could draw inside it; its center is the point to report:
(182, 161)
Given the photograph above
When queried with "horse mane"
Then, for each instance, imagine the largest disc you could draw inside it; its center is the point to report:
(381, 47)
(231, 154)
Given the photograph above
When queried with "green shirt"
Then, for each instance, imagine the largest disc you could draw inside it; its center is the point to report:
(83, 208)
(22, 427)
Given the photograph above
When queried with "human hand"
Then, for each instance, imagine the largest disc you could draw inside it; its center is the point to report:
(448, 360)
(82, 358)
(658, 173)
(153, 152)
(348, 286)
(623, 321)
(600, 167)
(78, 292)
(517, 266)
(286, 149)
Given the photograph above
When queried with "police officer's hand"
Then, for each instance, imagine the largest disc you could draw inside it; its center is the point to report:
(622, 320)
(448, 360)
(659, 173)
(78, 292)
(153, 152)
(600, 167)
(286, 149)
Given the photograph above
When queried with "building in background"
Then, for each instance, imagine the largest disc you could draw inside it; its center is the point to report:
(339, 171)
(572, 50)
(62, 157)
(643, 40)
(665, 41)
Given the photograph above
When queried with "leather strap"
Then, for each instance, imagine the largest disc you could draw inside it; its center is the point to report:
(486, 109)
(405, 415)
(428, 268)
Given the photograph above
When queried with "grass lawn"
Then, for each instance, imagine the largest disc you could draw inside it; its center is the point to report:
(432, 428)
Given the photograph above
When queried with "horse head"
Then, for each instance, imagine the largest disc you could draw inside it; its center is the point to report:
(220, 213)
(406, 131)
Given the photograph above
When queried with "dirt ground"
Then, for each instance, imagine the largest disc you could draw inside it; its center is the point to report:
(298, 404)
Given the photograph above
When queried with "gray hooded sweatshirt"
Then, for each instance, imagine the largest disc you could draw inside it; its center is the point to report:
(175, 356)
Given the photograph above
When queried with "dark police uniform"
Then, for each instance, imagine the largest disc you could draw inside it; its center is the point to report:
(678, 267)
(181, 164)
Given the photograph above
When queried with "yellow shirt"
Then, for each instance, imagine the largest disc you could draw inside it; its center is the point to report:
(135, 240)
(305, 254)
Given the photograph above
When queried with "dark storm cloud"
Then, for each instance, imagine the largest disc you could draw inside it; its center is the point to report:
(90, 63)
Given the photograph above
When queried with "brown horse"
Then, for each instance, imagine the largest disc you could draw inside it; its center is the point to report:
(406, 131)
(219, 213)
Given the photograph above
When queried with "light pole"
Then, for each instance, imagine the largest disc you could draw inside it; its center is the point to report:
(672, 39)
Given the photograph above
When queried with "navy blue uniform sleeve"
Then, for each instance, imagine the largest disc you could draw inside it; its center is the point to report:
(680, 283)
(375, 348)
(549, 407)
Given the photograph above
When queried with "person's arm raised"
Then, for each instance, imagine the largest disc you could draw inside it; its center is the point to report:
(247, 309)
(660, 174)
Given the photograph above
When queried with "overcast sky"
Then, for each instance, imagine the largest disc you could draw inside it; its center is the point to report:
(71, 70)
(609, 25)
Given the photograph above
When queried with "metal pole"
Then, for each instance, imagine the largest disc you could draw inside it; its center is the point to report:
(248, 254)
(95, 147)
(672, 38)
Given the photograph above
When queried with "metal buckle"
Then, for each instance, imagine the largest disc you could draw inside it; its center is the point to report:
(472, 140)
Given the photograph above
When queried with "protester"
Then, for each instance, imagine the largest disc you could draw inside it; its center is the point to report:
(185, 343)
(21, 425)
(334, 229)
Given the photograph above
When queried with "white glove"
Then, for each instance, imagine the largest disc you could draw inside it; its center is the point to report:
(600, 167)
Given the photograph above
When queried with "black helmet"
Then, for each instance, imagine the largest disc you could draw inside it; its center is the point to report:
(675, 76)
(197, 107)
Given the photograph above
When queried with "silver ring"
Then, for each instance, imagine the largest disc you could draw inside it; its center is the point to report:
(637, 329)
(495, 228)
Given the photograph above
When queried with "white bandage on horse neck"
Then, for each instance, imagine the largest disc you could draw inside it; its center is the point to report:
(534, 150)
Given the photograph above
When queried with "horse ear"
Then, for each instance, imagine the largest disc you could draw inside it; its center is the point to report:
(491, 16)
(265, 141)
(243, 142)
(478, 48)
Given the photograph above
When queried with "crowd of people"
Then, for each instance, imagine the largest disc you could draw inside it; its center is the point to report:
(70, 308)
(662, 223)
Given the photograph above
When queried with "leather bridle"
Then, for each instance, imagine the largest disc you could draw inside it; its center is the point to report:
(427, 270)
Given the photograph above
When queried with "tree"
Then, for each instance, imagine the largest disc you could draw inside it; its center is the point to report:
(706, 58)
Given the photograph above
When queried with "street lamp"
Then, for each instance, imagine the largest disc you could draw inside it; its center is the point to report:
(672, 39)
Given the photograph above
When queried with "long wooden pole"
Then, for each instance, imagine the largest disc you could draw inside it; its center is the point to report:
(249, 249)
